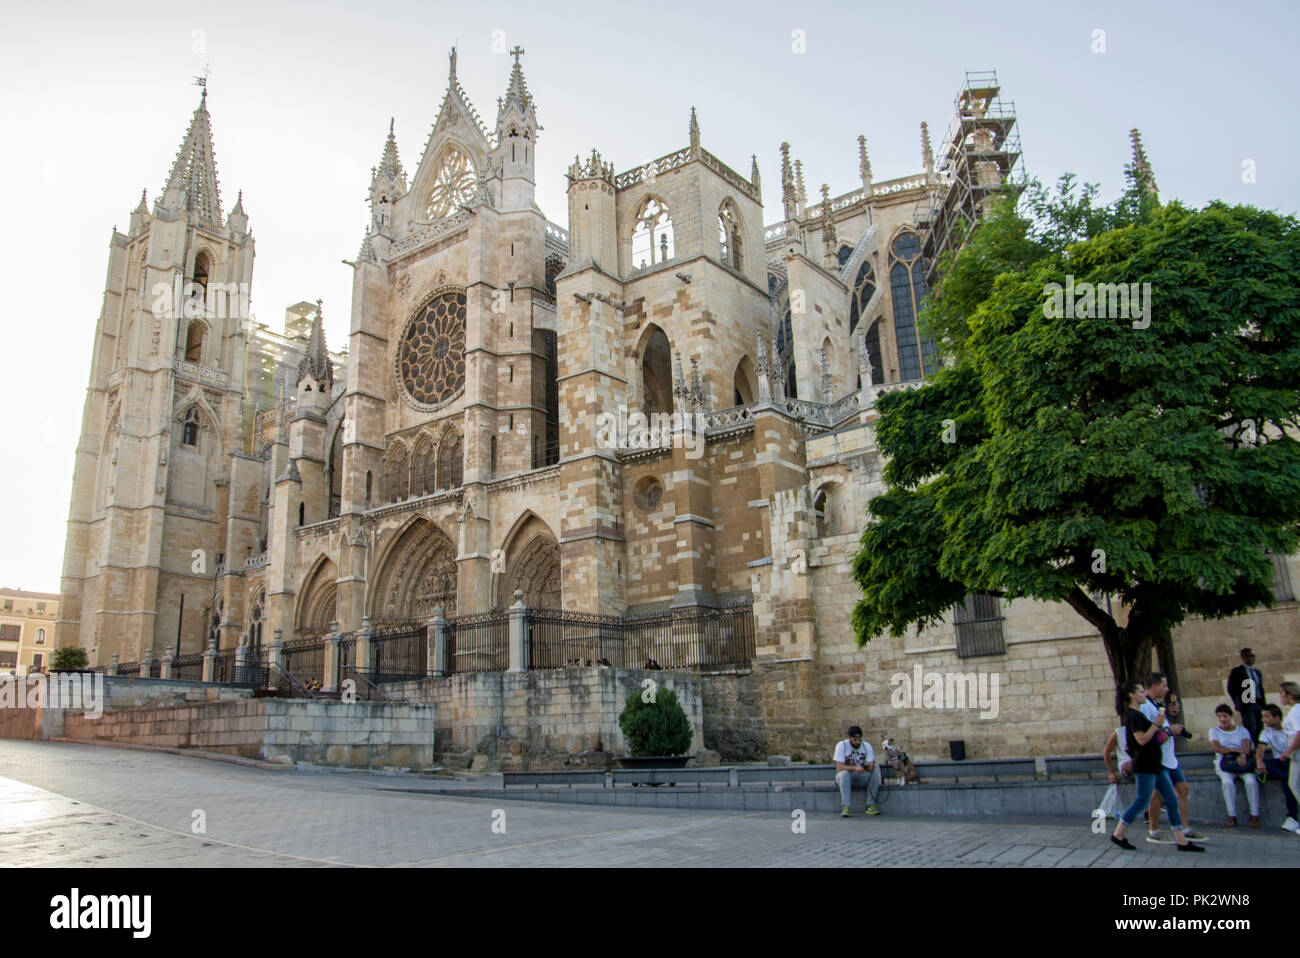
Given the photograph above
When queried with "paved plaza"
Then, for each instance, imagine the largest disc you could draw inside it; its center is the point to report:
(80, 805)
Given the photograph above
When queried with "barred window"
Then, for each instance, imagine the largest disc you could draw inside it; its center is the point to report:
(978, 623)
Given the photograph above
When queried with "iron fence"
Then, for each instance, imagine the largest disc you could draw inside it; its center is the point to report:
(398, 654)
(689, 638)
(223, 666)
(304, 659)
(188, 667)
(557, 638)
(479, 642)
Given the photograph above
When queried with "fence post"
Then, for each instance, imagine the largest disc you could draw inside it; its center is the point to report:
(210, 661)
(330, 680)
(363, 651)
(277, 653)
(438, 647)
(241, 655)
(113, 663)
(146, 664)
(518, 634)
(168, 660)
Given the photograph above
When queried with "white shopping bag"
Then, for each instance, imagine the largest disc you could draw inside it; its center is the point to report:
(1110, 802)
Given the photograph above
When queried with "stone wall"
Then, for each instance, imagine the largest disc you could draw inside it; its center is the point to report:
(542, 719)
(276, 730)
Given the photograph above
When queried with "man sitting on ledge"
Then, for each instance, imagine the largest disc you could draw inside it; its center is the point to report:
(855, 764)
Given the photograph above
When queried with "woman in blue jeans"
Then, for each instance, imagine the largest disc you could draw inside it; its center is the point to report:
(1144, 745)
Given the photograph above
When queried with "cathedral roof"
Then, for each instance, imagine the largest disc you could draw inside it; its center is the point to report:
(192, 185)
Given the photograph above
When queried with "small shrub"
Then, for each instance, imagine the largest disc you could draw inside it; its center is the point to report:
(655, 728)
(69, 657)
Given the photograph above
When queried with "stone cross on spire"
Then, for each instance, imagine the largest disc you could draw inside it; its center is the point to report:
(517, 52)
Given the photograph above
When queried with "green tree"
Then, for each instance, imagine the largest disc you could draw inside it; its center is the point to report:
(1094, 456)
(657, 727)
(69, 657)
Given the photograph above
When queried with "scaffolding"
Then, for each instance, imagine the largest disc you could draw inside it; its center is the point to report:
(979, 156)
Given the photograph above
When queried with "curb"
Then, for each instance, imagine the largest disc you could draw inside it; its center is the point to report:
(188, 752)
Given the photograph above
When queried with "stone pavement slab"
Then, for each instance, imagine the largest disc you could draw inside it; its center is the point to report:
(68, 804)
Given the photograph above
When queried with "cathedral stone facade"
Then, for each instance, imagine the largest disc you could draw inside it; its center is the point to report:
(664, 404)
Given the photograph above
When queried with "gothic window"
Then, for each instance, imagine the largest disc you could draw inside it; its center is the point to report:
(431, 354)
(652, 237)
(336, 472)
(451, 462)
(194, 342)
(398, 476)
(743, 382)
(873, 354)
(978, 624)
(302, 512)
(256, 615)
(656, 374)
(819, 513)
(370, 482)
(916, 353)
(729, 236)
(844, 254)
(864, 287)
(420, 470)
(453, 185)
(190, 428)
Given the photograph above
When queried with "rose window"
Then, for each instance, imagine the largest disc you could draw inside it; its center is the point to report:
(431, 355)
(453, 185)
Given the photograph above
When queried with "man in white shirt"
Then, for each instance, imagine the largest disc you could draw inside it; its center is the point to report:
(1157, 691)
(855, 764)
(1272, 738)
(1291, 729)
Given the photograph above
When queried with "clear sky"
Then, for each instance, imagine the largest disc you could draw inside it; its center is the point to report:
(95, 98)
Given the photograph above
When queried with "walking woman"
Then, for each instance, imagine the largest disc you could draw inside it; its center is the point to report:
(1144, 745)
(1291, 729)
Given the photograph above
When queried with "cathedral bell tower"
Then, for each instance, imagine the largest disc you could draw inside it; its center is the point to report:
(516, 135)
(162, 415)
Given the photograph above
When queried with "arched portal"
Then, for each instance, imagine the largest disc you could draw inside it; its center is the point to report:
(417, 575)
(319, 599)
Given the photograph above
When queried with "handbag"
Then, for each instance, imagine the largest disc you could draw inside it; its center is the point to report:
(1228, 763)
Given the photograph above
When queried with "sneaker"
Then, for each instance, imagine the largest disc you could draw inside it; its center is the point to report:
(1155, 838)
(871, 810)
(1291, 825)
(844, 811)
(1124, 843)
(1191, 847)
(1194, 836)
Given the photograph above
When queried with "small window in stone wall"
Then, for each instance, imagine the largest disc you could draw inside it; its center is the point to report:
(647, 493)
(8, 660)
(978, 623)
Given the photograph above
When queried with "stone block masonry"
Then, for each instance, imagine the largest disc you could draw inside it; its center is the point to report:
(276, 730)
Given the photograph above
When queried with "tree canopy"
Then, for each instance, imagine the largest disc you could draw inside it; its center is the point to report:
(1117, 417)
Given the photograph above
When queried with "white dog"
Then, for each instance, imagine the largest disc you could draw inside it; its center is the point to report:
(904, 770)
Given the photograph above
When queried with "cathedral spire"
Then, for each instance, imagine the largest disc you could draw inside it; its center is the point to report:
(192, 184)
(753, 175)
(864, 165)
(315, 362)
(787, 183)
(390, 165)
(1142, 171)
(927, 154)
(516, 107)
(695, 134)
